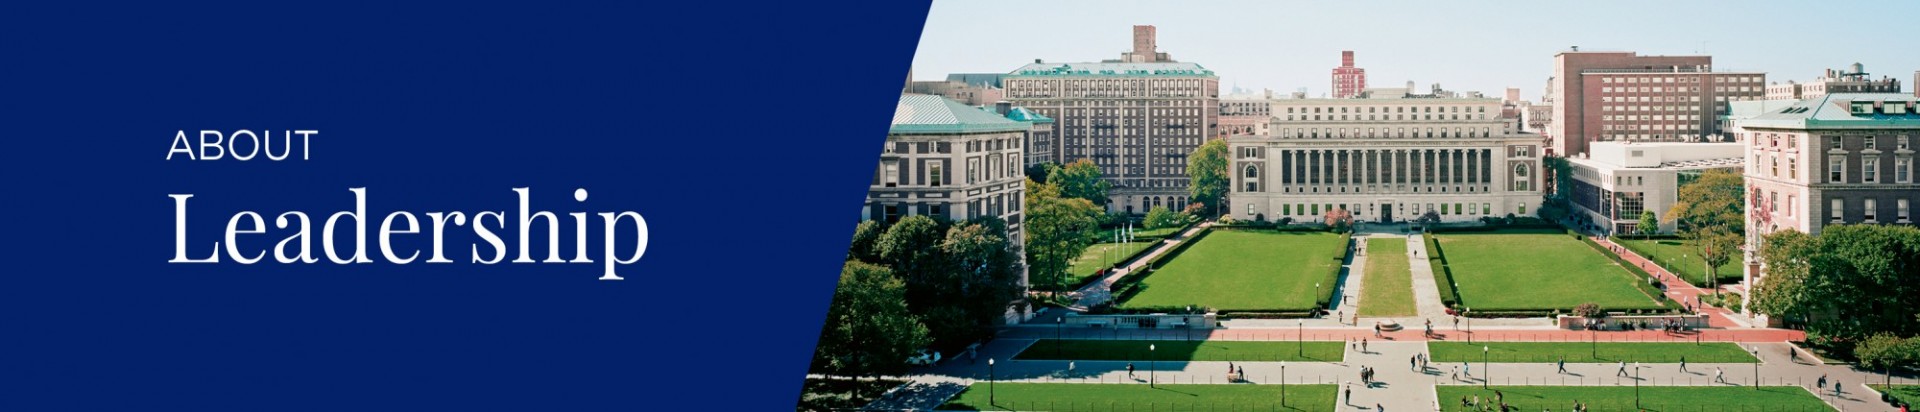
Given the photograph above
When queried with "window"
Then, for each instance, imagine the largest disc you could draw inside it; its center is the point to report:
(892, 177)
(1900, 167)
(1793, 168)
(1870, 170)
(1869, 211)
(933, 174)
(1836, 169)
(1902, 204)
(1833, 209)
(1833, 143)
(1869, 142)
(1776, 166)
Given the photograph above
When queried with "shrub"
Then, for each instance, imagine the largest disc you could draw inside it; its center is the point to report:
(1588, 310)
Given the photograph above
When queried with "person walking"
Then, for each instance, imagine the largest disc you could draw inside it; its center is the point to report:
(1563, 365)
(1363, 341)
(1836, 387)
(1467, 367)
(1349, 396)
(1456, 374)
(1129, 370)
(1069, 368)
(1623, 369)
(1683, 364)
(1719, 375)
(1413, 362)
(1822, 383)
(1378, 408)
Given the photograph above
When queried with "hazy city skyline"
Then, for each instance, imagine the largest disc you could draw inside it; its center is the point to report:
(1464, 46)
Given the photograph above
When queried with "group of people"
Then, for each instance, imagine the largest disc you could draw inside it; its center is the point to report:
(1418, 362)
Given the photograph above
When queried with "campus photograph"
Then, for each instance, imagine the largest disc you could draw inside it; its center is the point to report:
(1248, 206)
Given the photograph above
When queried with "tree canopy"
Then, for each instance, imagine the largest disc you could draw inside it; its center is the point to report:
(1207, 169)
(1711, 213)
(1081, 180)
(970, 271)
(1058, 230)
(1851, 281)
(869, 329)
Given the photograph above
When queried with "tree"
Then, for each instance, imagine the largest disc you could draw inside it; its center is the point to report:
(1039, 171)
(869, 330)
(911, 248)
(1851, 282)
(1338, 218)
(1080, 179)
(1428, 218)
(1160, 217)
(1649, 224)
(1711, 213)
(1787, 290)
(1058, 230)
(1884, 351)
(983, 277)
(1207, 171)
(864, 236)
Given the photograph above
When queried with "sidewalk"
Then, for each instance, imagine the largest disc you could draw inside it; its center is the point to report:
(1678, 289)
(1289, 330)
(1100, 291)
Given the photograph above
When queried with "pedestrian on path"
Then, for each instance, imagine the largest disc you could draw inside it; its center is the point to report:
(1719, 375)
(1623, 369)
(1376, 329)
(1563, 365)
(1820, 384)
(1363, 341)
(1129, 370)
(1378, 408)
(1836, 387)
(1467, 367)
(1413, 362)
(1349, 397)
(1340, 317)
(1683, 364)
(1456, 374)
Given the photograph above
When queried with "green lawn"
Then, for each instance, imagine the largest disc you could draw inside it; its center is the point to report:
(1528, 271)
(1677, 256)
(1136, 350)
(1103, 255)
(1140, 234)
(1908, 394)
(1581, 352)
(1243, 270)
(1388, 287)
(1095, 397)
(1652, 398)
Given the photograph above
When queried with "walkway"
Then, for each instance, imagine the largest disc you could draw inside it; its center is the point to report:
(1407, 389)
(1095, 293)
(1426, 287)
(1678, 289)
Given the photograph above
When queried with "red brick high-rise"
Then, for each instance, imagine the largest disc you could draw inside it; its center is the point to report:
(1348, 81)
(1623, 96)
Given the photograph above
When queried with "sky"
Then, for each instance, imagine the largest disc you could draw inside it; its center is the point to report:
(1464, 45)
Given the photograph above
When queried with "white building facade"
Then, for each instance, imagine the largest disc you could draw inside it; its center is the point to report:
(1616, 181)
(1388, 156)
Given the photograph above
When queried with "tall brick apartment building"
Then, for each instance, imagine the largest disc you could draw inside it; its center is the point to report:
(1622, 96)
(1136, 117)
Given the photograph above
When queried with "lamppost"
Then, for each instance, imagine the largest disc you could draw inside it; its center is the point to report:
(1283, 383)
(1152, 364)
(1756, 366)
(1299, 331)
(1316, 294)
(1189, 321)
(1636, 384)
(1593, 341)
(1467, 312)
(1484, 353)
(990, 400)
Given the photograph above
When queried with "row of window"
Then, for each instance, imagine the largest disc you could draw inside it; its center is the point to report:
(1400, 132)
(1396, 109)
(1646, 79)
(1409, 209)
(1870, 210)
(1652, 117)
(996, 167)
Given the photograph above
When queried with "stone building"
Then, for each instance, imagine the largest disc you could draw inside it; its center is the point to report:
(1616, 181)
(946, 159)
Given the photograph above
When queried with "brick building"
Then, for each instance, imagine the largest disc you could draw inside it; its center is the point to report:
(1348, 81)
(1622, 96)
(1137, 118)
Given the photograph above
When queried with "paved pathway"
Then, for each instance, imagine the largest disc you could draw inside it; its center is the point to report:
(1426, 289)
(1678, 289)
(1098, 292)
(1401, 387)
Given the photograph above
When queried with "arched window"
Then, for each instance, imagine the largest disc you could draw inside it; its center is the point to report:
(1520, 170)
(1252, 172)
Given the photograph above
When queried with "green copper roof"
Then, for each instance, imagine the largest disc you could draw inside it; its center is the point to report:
(1024, 115)
(1158, 69)
(929, 114)
(1834, 111)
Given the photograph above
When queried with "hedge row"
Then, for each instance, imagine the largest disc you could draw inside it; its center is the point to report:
(1437, 262)
(1514, 228)
(1332, 275)
(1129, 285)
(1229, 315)
(1642, 275)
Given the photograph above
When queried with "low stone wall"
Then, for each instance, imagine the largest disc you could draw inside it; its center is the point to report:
(1614, 322)
(1149, 321)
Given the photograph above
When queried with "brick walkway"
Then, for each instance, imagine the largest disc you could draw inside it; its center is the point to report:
(1441, 333)
(1677, 289)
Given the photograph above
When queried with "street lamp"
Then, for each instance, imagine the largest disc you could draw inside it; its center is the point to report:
(1316, 294)
(990, 400)
(1467, 312)
(1636, 384)
(1299, 331)
(1152, 364)
(1756, 366)
(1484, 350)
(1283, 383)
